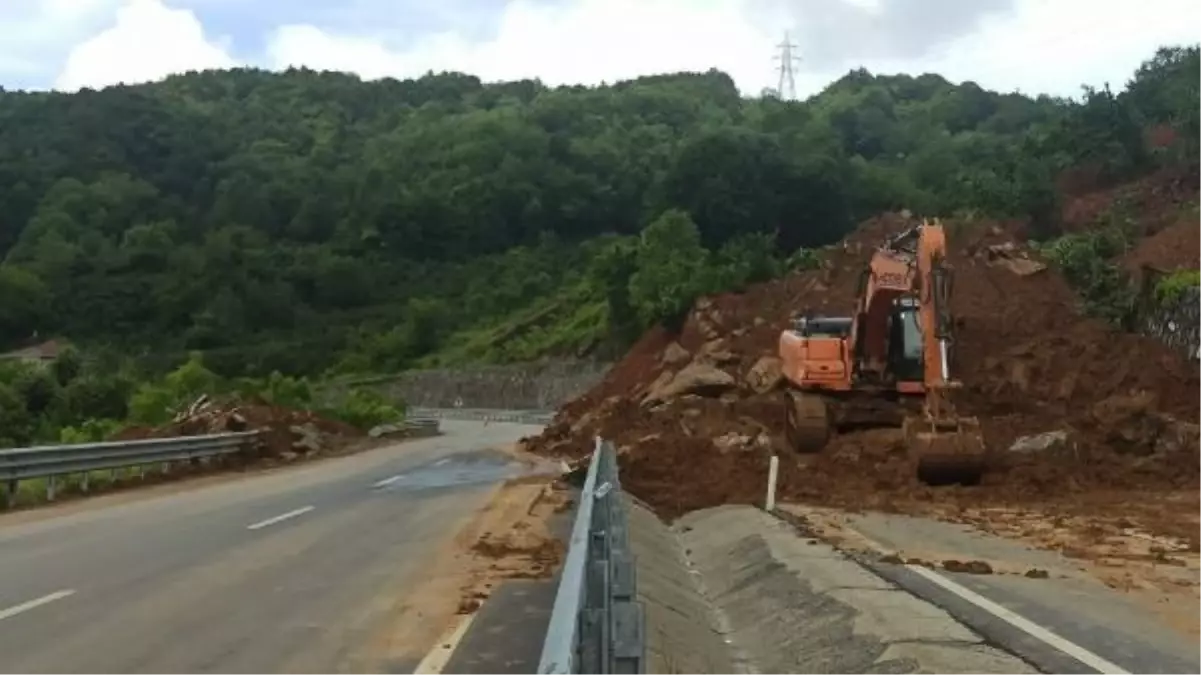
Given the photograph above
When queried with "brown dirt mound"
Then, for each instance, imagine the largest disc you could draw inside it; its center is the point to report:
(1030, 364)
(1172, 248)
(1158, 199)
(283, 432)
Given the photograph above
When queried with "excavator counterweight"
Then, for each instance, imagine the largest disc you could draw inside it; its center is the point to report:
(887, 365)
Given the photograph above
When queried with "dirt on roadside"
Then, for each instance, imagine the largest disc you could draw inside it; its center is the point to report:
(509, 538)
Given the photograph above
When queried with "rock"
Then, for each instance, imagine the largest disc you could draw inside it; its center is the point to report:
(1011, 257)
(715, 352)
(968, 567)
(308, 438)
(674, 355)
(1051, 440)
(660, 382)
(764, 375)
(1023, 267)
(236, 422)
(698, 378)
(759, 321)
(732, 441)
(1177, 436)
(307, 444)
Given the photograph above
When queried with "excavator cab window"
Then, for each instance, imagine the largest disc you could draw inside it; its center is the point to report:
(826, 326)
(905, 341)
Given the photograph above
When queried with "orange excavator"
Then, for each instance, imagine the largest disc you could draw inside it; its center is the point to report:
(888, 364)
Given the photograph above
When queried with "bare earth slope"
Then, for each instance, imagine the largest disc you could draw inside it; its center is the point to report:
(1030, 363)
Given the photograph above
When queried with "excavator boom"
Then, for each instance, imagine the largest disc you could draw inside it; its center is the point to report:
(949, 447)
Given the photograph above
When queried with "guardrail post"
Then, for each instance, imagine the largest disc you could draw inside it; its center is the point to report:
(51, 487)
(84, 481)
(10, 493)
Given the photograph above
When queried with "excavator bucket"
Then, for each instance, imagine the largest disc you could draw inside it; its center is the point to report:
(949, 450)
(808, 424)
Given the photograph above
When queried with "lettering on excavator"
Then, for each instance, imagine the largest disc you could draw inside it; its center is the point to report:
(888, 364)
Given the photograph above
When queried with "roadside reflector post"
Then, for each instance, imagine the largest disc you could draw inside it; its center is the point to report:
(773, 472)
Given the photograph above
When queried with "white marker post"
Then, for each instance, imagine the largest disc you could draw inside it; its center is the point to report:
(773, 472)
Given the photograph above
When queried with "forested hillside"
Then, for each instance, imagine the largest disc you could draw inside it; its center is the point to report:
(306, 221)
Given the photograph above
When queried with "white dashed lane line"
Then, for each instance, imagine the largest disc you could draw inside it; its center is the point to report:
(281, 517)
(32, 604)
(387, 481)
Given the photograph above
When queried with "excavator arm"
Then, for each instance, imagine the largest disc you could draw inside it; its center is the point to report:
(949, 447)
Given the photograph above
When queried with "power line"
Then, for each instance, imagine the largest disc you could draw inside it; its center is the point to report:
(787, 57)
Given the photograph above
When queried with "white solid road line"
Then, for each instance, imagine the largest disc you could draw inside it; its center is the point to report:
(1022, 623)
(26, 606)
(281, 517)
(439, 656)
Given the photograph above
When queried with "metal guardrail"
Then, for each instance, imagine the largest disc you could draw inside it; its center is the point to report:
(597, 624)
(53, 461)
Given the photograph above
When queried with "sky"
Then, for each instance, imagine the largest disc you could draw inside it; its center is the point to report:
(1032, 46)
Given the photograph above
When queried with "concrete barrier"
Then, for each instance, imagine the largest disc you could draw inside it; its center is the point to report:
(681, 633)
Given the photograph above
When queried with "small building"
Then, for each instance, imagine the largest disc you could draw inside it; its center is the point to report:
(44, 352)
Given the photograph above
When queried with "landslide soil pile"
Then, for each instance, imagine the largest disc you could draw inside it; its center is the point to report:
(697, 415)
(284, 433)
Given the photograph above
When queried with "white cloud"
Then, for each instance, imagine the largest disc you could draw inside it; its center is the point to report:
(36, 34)
(147, 42)
(585, 41)
(1055, 46)
(1039, 46)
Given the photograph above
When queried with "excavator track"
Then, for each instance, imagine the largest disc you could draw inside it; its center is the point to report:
(948, 451)
(814, 418)
(808, 423)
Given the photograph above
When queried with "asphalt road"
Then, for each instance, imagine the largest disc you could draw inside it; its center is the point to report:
(296, 570)
(1068, 623)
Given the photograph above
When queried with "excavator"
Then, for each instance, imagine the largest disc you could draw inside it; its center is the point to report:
(888, 364)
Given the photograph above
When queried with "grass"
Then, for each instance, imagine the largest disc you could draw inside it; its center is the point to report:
(1171, 288)
(33, 491)
(568, 323)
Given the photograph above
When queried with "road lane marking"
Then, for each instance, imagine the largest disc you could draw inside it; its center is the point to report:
(441, 461)
(437, 658)
(26, 606)
(1020, 622)
(281, 517)
(387, 481)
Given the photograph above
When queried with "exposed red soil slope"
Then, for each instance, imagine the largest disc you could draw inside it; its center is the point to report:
(1029, 361)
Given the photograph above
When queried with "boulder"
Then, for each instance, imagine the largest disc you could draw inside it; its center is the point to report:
(765, 375)
(1051, 440)
(698, 378)
(674, 355)
(732, 441)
